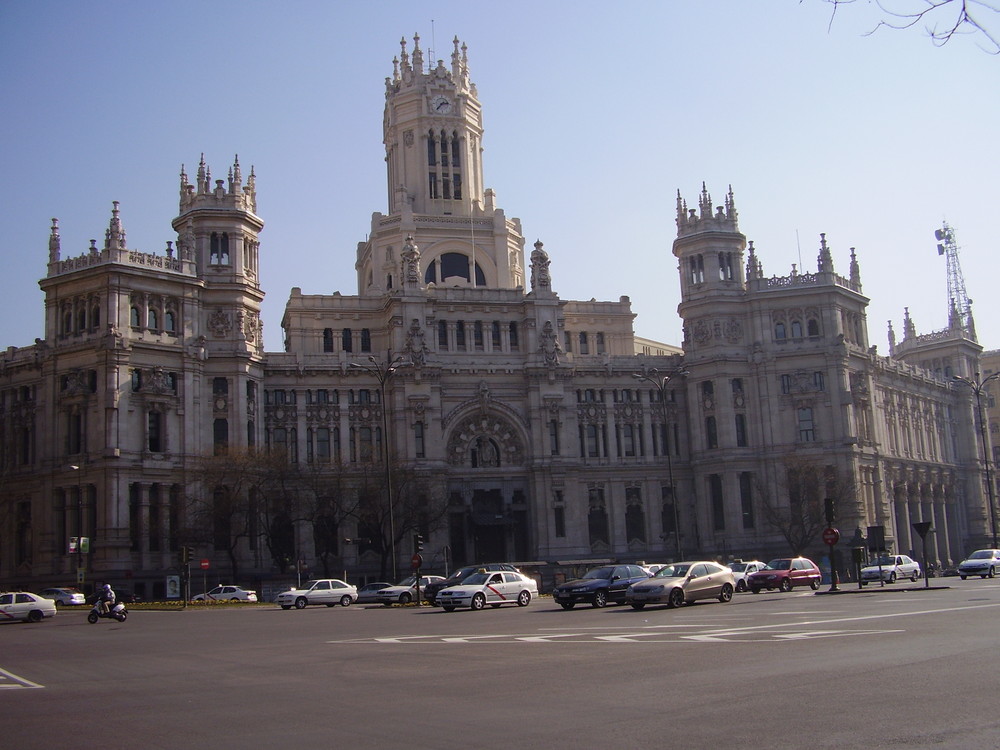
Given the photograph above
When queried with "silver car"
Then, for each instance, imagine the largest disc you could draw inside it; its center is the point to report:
(983, 563)
(890, 568)
(328, 591)
(64, 596)
(683, 583)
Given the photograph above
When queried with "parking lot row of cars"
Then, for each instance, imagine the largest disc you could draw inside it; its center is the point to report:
(496, 584)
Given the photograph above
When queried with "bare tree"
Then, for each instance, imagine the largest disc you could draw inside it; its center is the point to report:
(795, 505)
(942, 19)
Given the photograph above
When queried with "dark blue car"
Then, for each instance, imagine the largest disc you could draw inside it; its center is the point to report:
(599, 586)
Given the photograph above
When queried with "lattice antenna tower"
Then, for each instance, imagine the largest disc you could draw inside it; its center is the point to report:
(959, 304)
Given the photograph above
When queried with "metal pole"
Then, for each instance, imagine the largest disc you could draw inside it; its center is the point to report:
(382, 375)
(661, 382)
(978, 387)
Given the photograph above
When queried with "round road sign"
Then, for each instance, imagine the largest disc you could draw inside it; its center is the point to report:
(831, 536)
(205, 563)
(416, 561)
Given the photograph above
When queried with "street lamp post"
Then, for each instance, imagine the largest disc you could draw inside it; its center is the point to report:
(978, 387)
(661, 381)
(382, 373)
(79, 521)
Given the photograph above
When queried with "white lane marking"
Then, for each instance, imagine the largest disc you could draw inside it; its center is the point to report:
(18, 682)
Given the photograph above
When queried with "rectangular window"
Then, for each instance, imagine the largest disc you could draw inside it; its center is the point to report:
(418, 440)
(786, 384)
(718, 502)
(628, 439)
(584, 347)
(221, 436)
(460, 334)
(559, 519)
(593, 449)
(746, 499)
(554, 437)
(807, 432)
(323, 444)
(819, 382)
(568, 342)
(154, 434)
(599, 338)
(741, 430)
(711, 433)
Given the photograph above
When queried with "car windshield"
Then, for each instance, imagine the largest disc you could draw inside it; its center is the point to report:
(477, 579)
(462, 573)
(737, 567)
(672, 571)
(779, 564)
(407, 581)
(982, 554)
(600, 573)
(884, 561)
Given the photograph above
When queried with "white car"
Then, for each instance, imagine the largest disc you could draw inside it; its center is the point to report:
(405, 591)
(983, 563)
(742, 569)
(64, 595)
(24, 606)
(226, 594)
(496, 588)
(891, 568)
(328, 591)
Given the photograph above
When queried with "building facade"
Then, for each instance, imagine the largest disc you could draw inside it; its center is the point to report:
(457, 396)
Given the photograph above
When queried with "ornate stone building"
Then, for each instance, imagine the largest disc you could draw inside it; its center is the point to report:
(520, 412)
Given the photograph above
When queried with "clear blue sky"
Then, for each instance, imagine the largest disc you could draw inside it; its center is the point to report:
(596, 113)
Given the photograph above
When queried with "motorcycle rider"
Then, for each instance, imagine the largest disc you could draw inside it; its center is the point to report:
(107, 599)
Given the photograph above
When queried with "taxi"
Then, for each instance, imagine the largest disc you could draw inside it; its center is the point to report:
(493, 588)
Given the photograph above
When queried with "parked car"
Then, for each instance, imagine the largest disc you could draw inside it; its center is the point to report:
(328, 591)
(599, 586)
(226, 594)
(983, 563)
(890, 568)
(495, 588)
(366, 594)
(460, 574)
(742, 570)
(405, 591)
(64, 596)
(22, 605)
(785, 573)
(683, 583)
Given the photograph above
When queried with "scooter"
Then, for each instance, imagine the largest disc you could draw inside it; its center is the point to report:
(117, 612)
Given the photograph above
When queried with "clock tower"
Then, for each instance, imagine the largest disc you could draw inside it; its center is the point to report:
(432, 131)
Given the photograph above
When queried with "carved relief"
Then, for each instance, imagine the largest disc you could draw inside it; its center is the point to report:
(220, 323)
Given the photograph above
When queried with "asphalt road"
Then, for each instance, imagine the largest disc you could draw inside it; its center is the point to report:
(878, 669)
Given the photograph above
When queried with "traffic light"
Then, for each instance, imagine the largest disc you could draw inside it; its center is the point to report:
(418, 543)
(185, 555)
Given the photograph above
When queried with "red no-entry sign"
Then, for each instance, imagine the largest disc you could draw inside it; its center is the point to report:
(204, 564)
(831, 536)
(416, 561)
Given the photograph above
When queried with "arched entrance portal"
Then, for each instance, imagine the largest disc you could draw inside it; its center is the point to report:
(488, 501)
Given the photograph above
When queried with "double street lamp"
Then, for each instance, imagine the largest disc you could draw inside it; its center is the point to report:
(382, 373)
(661, 381)
(978, 387)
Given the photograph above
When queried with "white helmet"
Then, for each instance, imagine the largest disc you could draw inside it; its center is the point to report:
(107, 587)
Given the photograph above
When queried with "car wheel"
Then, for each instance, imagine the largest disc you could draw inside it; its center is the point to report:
(814, 585)
(35, 615)
(449, 609)
(405, 598)
(786, 585)
(892, 576)
(963, 577)
(741, 586)
(755, 590)
(286, 606)
(567, 605)
(992, 573)
(726, 595)
(914, 576)
(638, 605)
(58, 604)
(346, 600)
(478, 602)
(675, 599)
(234, 599)
(301, 603)
(523, 599)
(600, 599)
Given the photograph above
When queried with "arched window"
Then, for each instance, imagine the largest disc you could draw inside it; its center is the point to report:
(366, 340)
(152, 320)
(796, 329)
(442, 335)
(327, 339)
(95, 316)
(133, 317)
(779, 331)
(169, 322)
(812, 327)
(346, 340)
(431, 150)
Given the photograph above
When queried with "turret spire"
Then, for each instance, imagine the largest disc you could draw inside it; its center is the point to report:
(54, 241)
(114, 237)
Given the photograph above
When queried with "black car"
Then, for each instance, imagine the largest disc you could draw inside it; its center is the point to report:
(599, 586)
(460, 574)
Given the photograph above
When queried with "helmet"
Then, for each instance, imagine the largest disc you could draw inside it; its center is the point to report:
(107, 587)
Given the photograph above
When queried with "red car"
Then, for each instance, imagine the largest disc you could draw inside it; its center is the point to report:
(784, 574)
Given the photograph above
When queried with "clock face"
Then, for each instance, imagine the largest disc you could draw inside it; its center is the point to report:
(441, 105)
